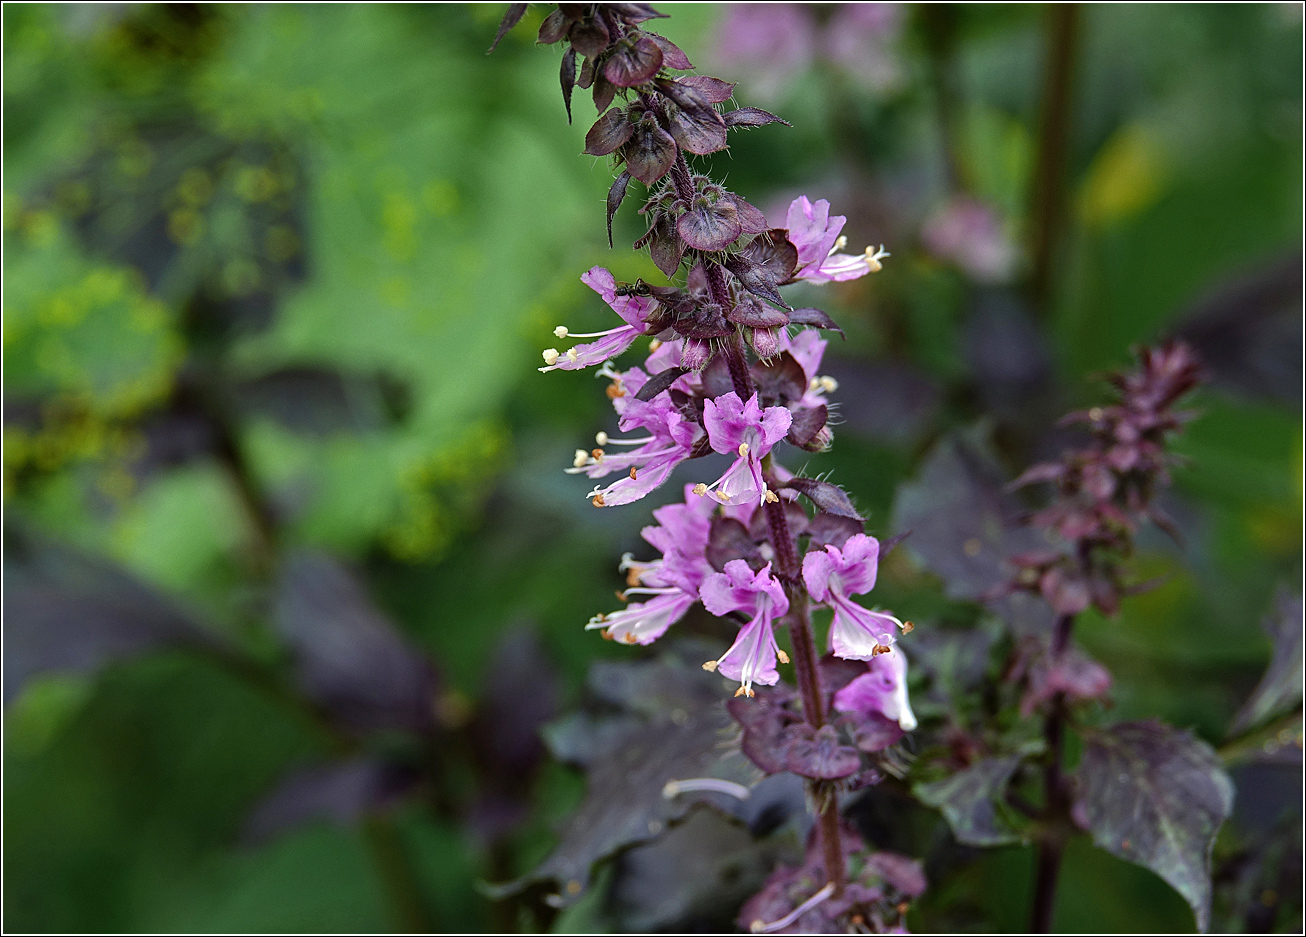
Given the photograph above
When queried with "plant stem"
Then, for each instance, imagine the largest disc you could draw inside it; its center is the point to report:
(808, 677)
(1056, 810)
(1047, 208)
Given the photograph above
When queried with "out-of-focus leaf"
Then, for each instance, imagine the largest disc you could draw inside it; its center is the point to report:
(963, 524)
(971, 801)
(1248, 331)
(689, 881)
(1156, 796)
(681, 736)
(348, 657)
(340, 791)
(64, 610)
(895, 402)
(319, 402)
(1281, 686)
(1008, 355)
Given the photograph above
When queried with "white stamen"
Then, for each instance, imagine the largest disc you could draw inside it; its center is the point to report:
(563, 332)
(643, 591)
(581, 459)
(673, 788)
(560, 331)
(743, 449)
(700, 489)
(828, 384)
(625, 442)
(873, 258)
(757, 927)
(601, 438)
(571, 355)
(839, 245)
(551, 356)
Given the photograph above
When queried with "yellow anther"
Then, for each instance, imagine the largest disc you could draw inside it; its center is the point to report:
(710, 666)
(784, 658)
(770, 496)
(550, 356)
(598, 501)
(572, 356)
(743, 449)
(579, 460)
(560, 331)
(700, 489)
(601, 438)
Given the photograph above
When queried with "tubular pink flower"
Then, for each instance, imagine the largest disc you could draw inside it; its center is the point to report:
(752, 658)
(749, 431)
(681, 536)
(832, 575)
(816, 235)
(882, 689)
(633, 309)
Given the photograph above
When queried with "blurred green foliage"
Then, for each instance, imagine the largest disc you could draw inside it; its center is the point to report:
(200, 201)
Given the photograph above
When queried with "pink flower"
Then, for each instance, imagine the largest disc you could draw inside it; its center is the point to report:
(816, 235)
(743, 428)
(883, 690)
(767, 42)
(969, 233)
(652, 458)
(633, 309)
(832, 575)
(752, 658)
(673, 581)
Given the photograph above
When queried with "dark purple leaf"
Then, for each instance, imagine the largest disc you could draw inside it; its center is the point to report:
(871, 732)
(752, 117)
(347, 656)
(603, 93)
(615, 194)
(703, 323)
(973, 801)
(780, 380)
(826, 496)
(807, 422)
(697, 133)
(634, 63)
(687, 98)
(1248, 330)
(820, 755)
(834, 530)
(1157, 796)
(567, 76)
(672, 57)
(730, 540)
(660, 382)
(810, 316)
(666, 248)
(553, 28)
(586, 77)
(751, 312)
(589, 37)
(65, 610)
(1280, 687)
(756, 278)
(965, 526)
(677, 736)
(711, 90)
(505, 733)
(1007, 351)
(773, 252)
(510, 19)
(343, 792)
(650, 152)
(608, 133)
(1065, 591)
(1040, 472)
(709, 227)
(716, 379)
(750, 217)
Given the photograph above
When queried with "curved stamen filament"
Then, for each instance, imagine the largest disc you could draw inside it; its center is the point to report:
(717, 785)
(757, 927)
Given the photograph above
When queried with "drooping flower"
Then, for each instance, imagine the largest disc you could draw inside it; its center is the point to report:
(673, 580)
(652, 457)
(883, 689)
(752, 658)
(633, 309)
(816, 235)
(748, 431)
(833, 575)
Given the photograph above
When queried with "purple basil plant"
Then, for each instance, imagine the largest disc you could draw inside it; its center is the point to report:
(730, 367)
